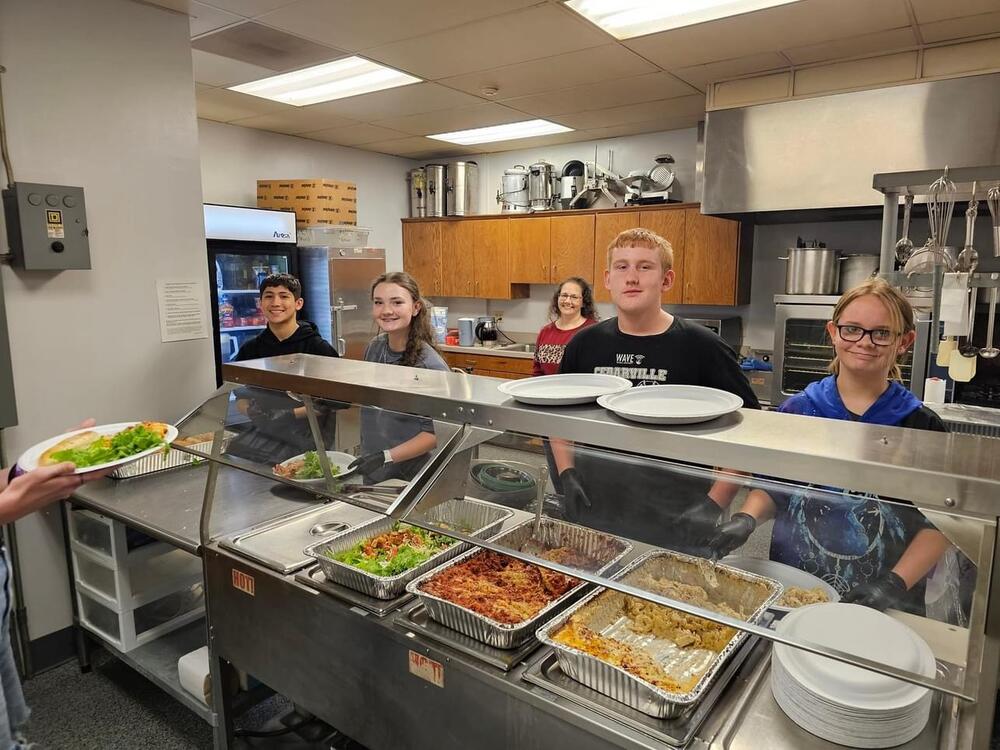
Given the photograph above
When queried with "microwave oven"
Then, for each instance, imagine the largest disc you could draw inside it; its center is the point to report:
(803, 350)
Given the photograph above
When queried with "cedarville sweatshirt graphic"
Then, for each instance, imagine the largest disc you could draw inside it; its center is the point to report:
(629, 366)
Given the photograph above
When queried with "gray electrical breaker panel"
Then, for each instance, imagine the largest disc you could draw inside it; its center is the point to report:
(46, 226)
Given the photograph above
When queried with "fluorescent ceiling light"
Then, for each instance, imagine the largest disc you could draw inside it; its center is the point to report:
(628, 18)
(509, 132)
(349, 76)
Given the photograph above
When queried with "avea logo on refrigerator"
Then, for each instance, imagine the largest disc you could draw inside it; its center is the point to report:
(282, 235)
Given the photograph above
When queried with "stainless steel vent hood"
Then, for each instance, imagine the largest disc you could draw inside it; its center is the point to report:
(822, 152)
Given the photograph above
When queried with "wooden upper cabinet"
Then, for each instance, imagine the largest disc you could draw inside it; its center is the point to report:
(457, 265)
(572, 239)
(422, 254)
(669, 224)
(712, 260)
(607, 226)
(529, 250)
(491, 253)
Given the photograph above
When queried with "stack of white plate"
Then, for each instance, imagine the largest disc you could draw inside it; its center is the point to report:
(845, 704)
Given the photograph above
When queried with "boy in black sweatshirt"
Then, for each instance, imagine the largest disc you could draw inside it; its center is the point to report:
(280, 429)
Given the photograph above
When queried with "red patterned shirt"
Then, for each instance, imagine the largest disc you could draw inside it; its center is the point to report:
(550, 346)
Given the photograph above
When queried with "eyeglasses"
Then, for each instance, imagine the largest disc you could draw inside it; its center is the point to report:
(878, 336)
(571, 297)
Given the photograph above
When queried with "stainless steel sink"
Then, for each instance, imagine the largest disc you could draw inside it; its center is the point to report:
(527, 348)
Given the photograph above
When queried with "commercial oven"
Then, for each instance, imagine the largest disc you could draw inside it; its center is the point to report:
(802, 347)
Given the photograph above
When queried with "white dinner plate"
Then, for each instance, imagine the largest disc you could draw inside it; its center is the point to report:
(337, 459)
(671, 404)
(786, 575)
(564, 390)
(29, 459)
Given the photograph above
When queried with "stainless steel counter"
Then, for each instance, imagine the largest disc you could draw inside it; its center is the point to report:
(491, 351)
(167, 505)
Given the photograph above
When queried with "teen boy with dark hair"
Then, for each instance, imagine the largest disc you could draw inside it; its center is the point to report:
(649, 346)
(280, 428)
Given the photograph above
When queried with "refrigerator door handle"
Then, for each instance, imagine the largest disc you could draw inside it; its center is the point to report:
(338, 311)
(341, 347)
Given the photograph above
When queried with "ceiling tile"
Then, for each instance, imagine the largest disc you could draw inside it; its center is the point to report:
(439, 154)
(964, 58)
(680, 122)
(360, 24)
(838, 49)
(205, 18)
(870, 72)
(414, 99)
(412, 145)
(700, 76)
(199, 87)
(607, 62)
(354, 135)
(618, 92)
(542, 31)
(178, 6)
(249, 8)
(928, 11)
(959, 28)
(810, 21)
(216, 70)
(266, 47)
(296, 120)
(225, 105)
(447, 121)
(646, 112)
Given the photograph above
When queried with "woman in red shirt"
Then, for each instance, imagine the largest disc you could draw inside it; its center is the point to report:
(572, 310)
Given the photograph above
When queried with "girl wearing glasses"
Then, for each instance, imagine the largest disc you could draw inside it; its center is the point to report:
(874, 553)
(572, 310)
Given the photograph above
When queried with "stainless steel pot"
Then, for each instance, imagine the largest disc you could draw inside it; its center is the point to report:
(855, 269)
(810, 270)
(463, 188)
(435, 189)
(513, 195)
(540, 182)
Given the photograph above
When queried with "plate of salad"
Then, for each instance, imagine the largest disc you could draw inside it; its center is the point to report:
(396, 551)
(305, 467)
(103, 447)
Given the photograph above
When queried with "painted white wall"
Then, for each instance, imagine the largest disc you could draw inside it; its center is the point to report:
(99, 94)
(628, 153)
(234, 158)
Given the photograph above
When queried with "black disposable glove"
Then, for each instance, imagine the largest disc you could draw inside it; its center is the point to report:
(701, 517)
(268, 416)
(880, 593)
(731, 534)
(369, 463)
(574, 498)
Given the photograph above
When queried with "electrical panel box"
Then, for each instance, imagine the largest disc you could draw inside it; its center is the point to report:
(47, 226)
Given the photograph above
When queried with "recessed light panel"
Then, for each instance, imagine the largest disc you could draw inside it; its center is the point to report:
(625, 19)
(339, 79)
(509, 132)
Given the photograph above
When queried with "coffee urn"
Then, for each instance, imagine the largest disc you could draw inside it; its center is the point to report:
(463, 188)
(513, 195)
(540, 186)
(573, 178)
(435, 189)
(418, 192)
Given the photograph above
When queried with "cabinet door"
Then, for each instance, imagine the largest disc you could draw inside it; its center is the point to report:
(572, 240)
(422, 254)
(491, 258)
(607, 226)
(669, 224)
(457, 267)
(711, 259)
(529, 250)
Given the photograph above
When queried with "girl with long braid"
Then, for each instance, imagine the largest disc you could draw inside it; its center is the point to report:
(394, 446)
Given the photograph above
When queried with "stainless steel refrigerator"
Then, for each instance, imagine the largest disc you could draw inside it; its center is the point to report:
(336, 285)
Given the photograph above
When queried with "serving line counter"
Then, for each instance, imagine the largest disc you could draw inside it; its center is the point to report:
(454, 669)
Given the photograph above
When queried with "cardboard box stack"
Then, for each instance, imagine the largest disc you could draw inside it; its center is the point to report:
(313, 201)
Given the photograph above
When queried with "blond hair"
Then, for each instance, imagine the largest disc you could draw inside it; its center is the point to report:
(900, 314)
(640, 237)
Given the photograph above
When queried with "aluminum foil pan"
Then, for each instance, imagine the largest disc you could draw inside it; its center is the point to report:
(172, 459)
(604, 613)
(607, 549)
(486, 519)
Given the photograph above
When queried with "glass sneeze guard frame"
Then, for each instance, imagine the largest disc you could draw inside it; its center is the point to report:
(948, 474)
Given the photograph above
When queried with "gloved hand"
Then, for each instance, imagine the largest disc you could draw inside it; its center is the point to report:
(700, 518)
(726, 537)
(574, 498)
(880, 593)
(369, 463)
(268, 416)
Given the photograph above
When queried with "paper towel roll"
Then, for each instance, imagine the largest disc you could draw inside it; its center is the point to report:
(192, 669)
(934, 391)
